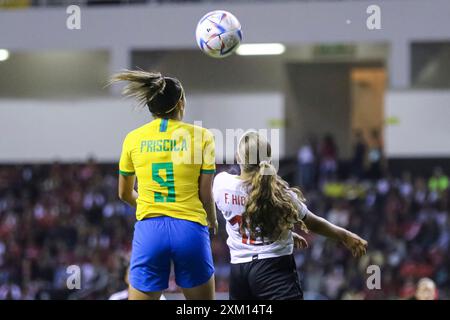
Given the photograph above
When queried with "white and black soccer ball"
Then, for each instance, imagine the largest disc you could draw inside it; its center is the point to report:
(218, 33)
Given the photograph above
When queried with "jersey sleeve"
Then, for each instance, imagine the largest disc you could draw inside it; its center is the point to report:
(302, 208)
(126, 167)
(208, 153)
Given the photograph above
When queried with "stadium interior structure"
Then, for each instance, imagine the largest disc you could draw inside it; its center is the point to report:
(61, 131)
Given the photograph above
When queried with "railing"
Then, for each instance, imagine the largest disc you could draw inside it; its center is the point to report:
(49, 3)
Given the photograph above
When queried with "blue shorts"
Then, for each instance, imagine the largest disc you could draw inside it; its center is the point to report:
(161, 240)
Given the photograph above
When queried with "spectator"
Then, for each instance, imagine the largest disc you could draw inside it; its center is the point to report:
(328, 158)
(339, 214)
(359, 155)
(405, 185)
(438, 181)
(59, 215)
(426, 290)
(375, 156)
(420, 191)
(306, 166)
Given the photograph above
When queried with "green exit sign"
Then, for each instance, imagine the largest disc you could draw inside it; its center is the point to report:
(334, 50)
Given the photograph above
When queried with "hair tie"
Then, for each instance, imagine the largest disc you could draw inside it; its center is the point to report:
(176, 104)
(264, 163)
(162, 85)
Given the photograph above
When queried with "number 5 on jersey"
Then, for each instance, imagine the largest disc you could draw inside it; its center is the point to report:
(169, 183)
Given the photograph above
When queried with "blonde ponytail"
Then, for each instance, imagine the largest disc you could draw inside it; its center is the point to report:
(142, 85)
(161, 94)
(271, 206)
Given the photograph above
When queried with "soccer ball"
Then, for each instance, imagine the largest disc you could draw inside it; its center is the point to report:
(218, 33)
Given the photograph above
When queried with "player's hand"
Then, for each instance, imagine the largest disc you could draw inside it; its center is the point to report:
(214, 226)
(354, 243)
(299, 241)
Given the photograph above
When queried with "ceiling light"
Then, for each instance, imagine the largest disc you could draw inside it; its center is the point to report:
(255, 49)
(4, 54)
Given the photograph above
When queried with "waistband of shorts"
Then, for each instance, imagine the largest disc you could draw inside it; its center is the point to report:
(262, 256)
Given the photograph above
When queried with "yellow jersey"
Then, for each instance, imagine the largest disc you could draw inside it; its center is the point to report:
(167, 157)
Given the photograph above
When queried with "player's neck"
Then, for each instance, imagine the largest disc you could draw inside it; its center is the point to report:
(176, 118)
(245, 175)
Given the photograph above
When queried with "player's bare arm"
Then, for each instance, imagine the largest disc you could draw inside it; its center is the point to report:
(126, 190)
(353, 242)
(207, 199)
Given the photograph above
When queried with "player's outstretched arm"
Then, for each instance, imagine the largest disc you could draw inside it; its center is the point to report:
(206, 197)
(126, 190)
(353, 242)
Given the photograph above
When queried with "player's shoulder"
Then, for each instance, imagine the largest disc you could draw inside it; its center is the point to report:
(221, 176)
(225, 178)
(221, 181)
(303, 208)
(225, 183)
(203, 130)
(136, 133)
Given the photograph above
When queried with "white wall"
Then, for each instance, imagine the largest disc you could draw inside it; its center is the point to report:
(54, 74)
(420, 123)
(172, 26)
(43, 131)
(239, 111)
(121, 29)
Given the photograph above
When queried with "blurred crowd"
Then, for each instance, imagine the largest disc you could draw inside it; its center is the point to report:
(318, 161)
(407, 225)
(52, 217)
(404, 218)
(55, 216)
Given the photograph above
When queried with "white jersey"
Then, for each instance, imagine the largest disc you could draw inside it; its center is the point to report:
(230, 197)
(123, 295)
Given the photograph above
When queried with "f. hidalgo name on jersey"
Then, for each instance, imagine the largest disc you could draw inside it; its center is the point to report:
(230, 197)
